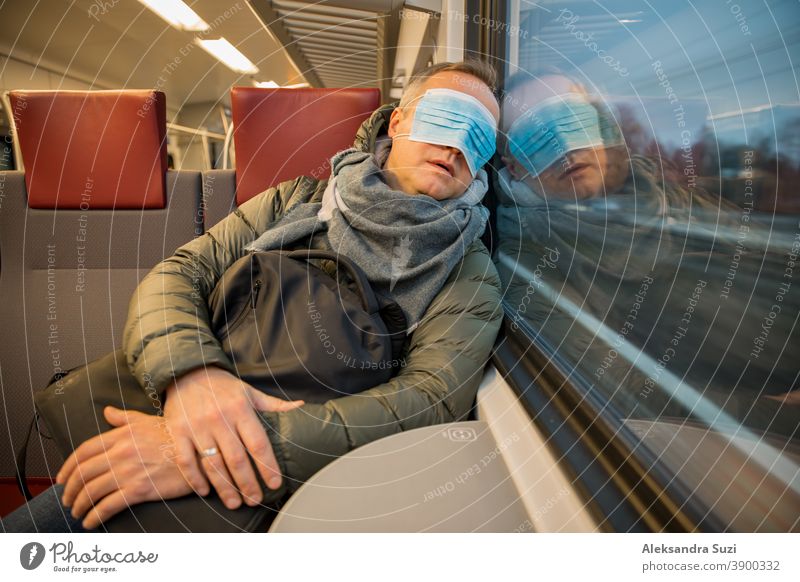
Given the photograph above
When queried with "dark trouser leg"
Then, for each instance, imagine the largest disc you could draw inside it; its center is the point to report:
(42, 514)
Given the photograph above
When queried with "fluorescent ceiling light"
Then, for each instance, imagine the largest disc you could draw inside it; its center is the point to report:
(177, 13)
(228, 54)
(274, 85)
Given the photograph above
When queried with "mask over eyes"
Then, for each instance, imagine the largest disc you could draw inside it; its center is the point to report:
(553, 128)
(455, 119)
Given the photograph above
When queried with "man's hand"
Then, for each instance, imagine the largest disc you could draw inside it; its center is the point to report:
(127, 465)
(210, 410)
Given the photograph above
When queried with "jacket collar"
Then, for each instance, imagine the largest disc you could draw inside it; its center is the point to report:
(375, 126)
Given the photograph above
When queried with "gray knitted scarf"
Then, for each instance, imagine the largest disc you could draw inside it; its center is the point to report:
(407, 245)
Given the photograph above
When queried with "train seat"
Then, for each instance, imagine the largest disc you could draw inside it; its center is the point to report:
(93, 212)
(280, 134)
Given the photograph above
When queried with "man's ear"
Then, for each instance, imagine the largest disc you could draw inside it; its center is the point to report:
(394, 121)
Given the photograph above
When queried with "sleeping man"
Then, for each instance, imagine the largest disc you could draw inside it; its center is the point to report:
(414, 173)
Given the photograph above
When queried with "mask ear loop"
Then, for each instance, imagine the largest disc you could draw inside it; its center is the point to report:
(507, 153)
(403, 107)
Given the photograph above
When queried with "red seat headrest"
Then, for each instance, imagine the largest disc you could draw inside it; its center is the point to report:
(280, 134)
(92, 149)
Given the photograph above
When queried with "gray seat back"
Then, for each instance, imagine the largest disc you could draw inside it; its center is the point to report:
(66, 281)
(219, 196)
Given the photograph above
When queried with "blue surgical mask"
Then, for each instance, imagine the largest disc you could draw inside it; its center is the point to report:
(555, 127)
(455, 119)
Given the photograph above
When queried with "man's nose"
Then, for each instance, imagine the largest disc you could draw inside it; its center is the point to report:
(573, 156)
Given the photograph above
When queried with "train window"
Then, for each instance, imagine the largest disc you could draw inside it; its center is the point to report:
(648, 232)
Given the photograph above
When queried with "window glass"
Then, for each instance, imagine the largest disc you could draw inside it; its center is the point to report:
(649, 230)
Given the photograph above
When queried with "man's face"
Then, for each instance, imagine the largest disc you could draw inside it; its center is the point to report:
(440, 172)
(579, 174)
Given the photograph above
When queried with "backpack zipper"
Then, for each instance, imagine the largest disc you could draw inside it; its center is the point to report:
(254, 294)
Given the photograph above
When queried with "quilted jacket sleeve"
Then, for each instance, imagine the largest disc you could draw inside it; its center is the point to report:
(443, 367)
(167, 331)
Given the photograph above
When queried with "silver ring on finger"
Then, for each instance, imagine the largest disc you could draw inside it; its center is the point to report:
(209, 452)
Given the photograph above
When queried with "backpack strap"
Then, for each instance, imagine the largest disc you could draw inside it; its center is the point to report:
(22, 461)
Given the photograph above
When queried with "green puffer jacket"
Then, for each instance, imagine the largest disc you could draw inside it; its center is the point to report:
(167, 334)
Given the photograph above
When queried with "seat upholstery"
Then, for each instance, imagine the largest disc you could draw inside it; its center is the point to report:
(280, 134)
(75, 143)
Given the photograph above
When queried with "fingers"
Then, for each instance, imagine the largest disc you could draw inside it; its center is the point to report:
(237, 461)
(99, 444)
(268, 403)
(107, 508)
(231, 471)
(87, 450)
(216, 472)
(119, 417)
(211, 469)
(93, 492)
(85, 472)
(258, 445)
(189, 466)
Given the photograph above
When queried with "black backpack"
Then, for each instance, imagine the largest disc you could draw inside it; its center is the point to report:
(295, 332)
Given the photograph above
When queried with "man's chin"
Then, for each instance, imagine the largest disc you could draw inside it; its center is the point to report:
(586, 188)
(577, 192)
(588, 193)
(436, 190)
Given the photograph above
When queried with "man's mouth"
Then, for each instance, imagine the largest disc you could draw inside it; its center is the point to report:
(443, 165)
(574, 169)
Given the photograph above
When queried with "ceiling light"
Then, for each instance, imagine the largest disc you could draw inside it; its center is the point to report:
(177, 13)
(266, 84)
(228, 54)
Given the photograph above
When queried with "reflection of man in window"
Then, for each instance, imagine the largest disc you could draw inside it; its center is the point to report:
(561, 144)
(562, 164)
(585, 225)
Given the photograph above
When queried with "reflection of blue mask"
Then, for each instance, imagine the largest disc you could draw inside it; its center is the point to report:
(455, 119)
(610, 131)
(553, 128)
